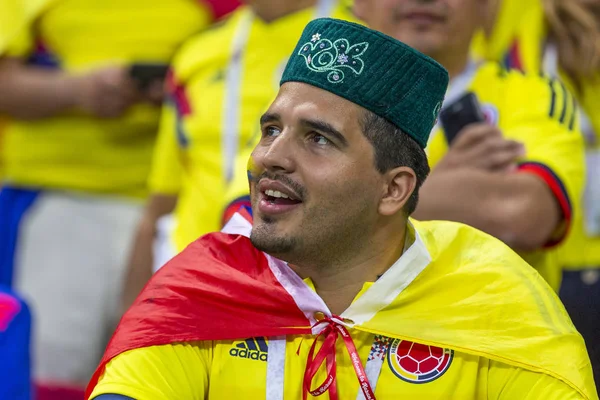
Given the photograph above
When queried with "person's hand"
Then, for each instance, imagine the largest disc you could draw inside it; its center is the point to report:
(482, 146)
(154, 93)
(106, 92)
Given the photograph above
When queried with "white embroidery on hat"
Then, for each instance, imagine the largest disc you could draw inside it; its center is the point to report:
(323, 55)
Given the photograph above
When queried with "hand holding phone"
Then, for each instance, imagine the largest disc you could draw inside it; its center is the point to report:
(147, 73)
(455, 117)
(149, 79)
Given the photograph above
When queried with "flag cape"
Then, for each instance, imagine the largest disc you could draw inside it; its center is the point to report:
(455, 287)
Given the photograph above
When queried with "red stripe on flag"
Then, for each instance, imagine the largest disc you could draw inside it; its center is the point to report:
(219, 288)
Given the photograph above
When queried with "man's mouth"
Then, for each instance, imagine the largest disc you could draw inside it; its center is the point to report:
(276, 198)
(279, 198)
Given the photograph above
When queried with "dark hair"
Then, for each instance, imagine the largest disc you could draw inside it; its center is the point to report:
(394, 148)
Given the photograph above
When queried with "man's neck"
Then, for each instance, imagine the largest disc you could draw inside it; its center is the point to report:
(454, 62)
(271, 10)
(338, 283)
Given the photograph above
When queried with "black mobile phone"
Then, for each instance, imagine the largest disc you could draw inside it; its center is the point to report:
(146, 73)
(464, 111)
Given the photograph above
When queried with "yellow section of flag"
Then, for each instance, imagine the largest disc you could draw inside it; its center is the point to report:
(489, 302)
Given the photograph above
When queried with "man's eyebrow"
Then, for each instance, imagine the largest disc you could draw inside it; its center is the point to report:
(327, 128)
(269, 117)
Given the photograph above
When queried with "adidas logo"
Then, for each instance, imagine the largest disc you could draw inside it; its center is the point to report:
(253, 349)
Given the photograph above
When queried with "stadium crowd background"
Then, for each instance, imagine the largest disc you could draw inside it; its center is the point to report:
(111, 163)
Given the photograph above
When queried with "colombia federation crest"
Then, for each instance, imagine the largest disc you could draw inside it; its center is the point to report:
(418, 363)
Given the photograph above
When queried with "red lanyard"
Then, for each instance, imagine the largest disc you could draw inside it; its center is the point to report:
(327, 354)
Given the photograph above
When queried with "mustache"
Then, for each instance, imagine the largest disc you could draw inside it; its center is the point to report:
(286, 180)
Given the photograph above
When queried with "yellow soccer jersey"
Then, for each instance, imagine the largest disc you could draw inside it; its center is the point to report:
(74, 151)
(540, 113)
(192, 158)
(512, 17)
(396, 369)
(517, 40)
(12, 16)
(443, 322)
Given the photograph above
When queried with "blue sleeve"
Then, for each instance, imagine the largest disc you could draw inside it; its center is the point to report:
(15, 333)
(112, 397)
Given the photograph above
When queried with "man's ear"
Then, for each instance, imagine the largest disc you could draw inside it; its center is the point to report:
(400, 184)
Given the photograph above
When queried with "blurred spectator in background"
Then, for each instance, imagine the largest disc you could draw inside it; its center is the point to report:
(221, 82)
(562, 39)
(516, 170)
(15, 336)
(3, 123)
(12, 16)
(77, 154)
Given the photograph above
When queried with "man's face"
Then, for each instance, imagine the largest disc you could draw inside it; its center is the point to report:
(314, 187)
(430, 26)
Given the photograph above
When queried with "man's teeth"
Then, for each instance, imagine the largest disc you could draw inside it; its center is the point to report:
(276, 193)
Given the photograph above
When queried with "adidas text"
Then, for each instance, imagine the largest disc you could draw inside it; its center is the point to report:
(251, 354)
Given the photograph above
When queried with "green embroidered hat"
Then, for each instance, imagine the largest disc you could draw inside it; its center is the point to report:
(372, 70)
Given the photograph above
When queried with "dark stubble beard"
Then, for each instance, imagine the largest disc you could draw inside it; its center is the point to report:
(265, 241)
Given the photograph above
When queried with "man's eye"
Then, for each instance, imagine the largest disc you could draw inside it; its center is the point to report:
(320, 139)
(272, 131)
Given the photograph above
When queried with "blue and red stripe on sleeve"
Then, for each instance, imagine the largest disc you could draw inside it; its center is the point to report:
(176, 93)
(235, 206)
(512, 58)
(177, 96)
(558, 190)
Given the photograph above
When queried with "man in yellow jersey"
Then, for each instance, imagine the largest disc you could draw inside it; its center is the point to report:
(12, 16)
(516, 175)
(332, 290)
(561, 38)
(79, 81)
(222, 80)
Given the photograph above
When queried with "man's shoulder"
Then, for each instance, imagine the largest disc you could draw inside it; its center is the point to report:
(467, 250)
(498, 74)
(482, 288)
(443, 235)
(517, 90)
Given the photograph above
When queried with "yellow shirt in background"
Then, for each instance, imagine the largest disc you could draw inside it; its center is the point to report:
(518, 40)
(73, 151)
(539, 113)
(190, 159)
